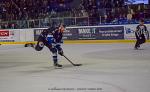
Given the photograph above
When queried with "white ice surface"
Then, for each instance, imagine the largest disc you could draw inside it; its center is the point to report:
(106, 68)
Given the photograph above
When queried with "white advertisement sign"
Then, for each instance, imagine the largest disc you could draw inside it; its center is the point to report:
(129, 31)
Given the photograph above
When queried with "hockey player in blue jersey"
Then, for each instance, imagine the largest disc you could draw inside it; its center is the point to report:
(56, 44)
(52, 38)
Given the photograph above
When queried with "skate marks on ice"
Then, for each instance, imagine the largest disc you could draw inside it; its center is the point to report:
(121, 54)
(83, 84)
(77, 77)
(6, 65)
(11, 47)
(46, 69)
(37, 71)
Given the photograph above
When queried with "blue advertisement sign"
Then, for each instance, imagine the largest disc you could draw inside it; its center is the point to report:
(110, 33)
(95, 33)
(90, 33)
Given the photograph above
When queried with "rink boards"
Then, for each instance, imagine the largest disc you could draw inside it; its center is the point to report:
(79, 34)
(80, 42)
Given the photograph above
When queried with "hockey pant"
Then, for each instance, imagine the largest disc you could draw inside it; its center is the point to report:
(140, 40)
(55, 50)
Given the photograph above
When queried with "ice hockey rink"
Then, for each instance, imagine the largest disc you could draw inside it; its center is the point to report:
(106, 68)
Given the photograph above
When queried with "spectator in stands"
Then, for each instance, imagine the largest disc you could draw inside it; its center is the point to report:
(0, 24)
(53, 13)
(129, 17)
(140, 15)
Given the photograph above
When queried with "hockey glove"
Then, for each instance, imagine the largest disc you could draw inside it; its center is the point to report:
(61, 53)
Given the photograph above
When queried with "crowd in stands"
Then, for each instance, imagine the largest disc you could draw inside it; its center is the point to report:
(31, 9)
(104, 11)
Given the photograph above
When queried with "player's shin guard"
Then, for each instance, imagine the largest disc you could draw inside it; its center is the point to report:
(55, 59)
(56, 62)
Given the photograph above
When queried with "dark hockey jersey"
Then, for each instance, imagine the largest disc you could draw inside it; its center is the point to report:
(58, 36)
(142, 30)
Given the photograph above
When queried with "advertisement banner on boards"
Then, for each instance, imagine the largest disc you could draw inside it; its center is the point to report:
(110, 33)
(81, 33)
(130, 31)
(37, 32)
(70, 34)
(148, 28)
(90, 33)
(95, 33)
(6, 35)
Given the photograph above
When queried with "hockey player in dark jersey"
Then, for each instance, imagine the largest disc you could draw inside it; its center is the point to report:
(141, 34)
(52, 38)
(56, 44)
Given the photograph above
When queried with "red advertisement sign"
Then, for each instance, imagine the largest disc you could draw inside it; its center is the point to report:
(4, 33)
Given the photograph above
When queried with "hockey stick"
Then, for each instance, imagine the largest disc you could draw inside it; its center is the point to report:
(72, 62)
